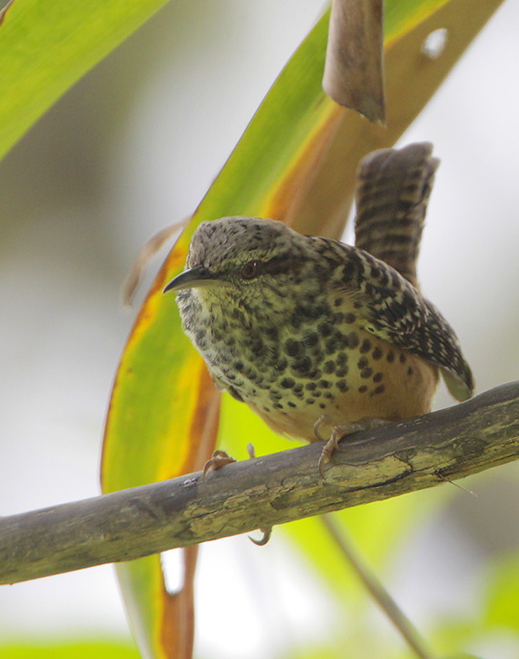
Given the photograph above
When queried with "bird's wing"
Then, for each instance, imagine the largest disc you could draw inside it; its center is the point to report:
(389, 307)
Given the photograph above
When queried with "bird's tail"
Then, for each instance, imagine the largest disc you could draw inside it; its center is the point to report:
(393, 188)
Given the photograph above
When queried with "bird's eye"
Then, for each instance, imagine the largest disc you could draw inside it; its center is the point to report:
(249, 270)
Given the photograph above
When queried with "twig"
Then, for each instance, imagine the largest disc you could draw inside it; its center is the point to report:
(378, 592)
(260, 493)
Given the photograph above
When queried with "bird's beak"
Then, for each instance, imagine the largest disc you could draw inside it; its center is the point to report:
(196, 277)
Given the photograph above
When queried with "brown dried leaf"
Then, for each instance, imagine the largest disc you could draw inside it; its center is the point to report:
(146, 252)
(353, 73)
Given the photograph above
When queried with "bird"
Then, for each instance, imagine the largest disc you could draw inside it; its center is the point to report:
(318, 337)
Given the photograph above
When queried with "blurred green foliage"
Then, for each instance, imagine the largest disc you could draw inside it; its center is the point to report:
(73, 650)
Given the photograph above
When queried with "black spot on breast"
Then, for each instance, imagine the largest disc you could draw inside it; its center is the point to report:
(296, 321)
(329, 367)
(309, 401)
(310, 386)
(271, 332)
(287, 383)
(365, 346)
(278, 406)
(331, 346)
(302, 365)
(410, 370)
(350, 318)
(301, 311)
(324, 384)
(320, 310)
(341, 385)
(377, 377)
(348, 272)
(238, 366)
(291, 404)
(342, 358)
(366, 373)
(337, 302)
(377, 353)
(403, 358)
(390, 356)
(362, 389)
(258, 347)
(293, 348)
(322, 406)
(324, 329)
(310, 340)
(362, 363)
(379, 389)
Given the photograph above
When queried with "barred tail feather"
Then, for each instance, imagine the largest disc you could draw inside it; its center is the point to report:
(393, 188)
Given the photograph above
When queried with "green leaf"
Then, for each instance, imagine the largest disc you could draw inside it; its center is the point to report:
(75, 650)
(502, 598)
(45, 47)
(296, 162)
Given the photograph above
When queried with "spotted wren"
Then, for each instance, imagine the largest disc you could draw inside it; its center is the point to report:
(312, 333)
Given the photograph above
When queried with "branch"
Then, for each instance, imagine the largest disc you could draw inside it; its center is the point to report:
(259, 493)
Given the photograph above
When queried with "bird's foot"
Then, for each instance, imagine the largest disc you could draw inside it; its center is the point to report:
(268, 531)
(338, 432)
(218, 460)
(221, 458)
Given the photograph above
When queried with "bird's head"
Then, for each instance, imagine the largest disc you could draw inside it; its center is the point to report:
(242, 260)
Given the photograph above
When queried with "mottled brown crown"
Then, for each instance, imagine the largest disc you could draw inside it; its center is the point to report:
(221, 245)
(393, 188)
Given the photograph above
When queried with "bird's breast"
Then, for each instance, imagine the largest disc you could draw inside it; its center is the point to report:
(294, 372)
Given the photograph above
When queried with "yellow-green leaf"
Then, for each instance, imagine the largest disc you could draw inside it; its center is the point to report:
(45, 47)
(503, 595)
(78, 650)
(296, 162)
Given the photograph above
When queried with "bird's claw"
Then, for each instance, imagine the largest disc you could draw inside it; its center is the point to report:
(218, 460)
(329, 448)
(338, 432)
(266, 537)
(317, 425)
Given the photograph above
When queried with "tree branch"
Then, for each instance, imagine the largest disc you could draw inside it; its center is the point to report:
(259, 493)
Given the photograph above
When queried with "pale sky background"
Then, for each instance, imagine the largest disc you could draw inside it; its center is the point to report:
(132, 148)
